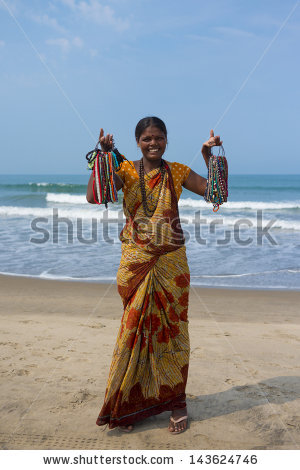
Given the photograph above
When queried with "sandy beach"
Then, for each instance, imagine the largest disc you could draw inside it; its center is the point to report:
(57, 339)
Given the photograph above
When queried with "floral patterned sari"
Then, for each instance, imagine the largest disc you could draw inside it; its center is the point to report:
(149, 368)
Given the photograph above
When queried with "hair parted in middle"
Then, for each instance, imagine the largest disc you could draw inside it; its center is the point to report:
(147, 122)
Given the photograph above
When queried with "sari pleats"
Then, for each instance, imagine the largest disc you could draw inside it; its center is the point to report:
(149, 367)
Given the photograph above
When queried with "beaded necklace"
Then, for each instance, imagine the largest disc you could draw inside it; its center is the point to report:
(103, 165)
(217, 180)
(162, 170)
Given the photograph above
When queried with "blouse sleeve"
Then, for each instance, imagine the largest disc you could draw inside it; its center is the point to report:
(185, 173)
(180, 172)
(121, 172)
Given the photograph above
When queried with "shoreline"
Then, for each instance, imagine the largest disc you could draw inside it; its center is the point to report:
(222, 303)
(113, 281)
(56, 345)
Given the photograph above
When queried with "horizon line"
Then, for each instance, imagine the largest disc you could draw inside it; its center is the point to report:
(84, 174)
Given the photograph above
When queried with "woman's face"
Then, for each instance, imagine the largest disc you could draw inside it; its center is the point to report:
(152, 143)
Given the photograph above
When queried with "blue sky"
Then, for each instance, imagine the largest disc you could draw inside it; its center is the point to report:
(69, 67)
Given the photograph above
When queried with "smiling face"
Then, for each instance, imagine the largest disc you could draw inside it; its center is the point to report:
(152, 143)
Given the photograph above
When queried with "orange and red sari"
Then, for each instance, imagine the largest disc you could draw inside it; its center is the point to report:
(149, 368)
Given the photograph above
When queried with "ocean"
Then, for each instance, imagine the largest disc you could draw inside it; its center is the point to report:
(49, 231)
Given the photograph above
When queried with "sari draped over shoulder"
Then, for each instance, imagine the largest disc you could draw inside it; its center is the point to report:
(149, 368)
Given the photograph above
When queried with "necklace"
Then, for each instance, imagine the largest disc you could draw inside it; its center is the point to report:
(147, 211)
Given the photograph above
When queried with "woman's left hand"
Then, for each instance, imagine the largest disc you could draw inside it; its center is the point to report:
(212, 141)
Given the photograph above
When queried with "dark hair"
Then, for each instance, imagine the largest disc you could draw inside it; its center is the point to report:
(147, 122)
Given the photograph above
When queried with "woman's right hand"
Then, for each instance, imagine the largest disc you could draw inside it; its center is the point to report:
(106, 142)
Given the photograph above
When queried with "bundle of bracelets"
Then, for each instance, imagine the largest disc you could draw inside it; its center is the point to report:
(103, 165)
(217, 181)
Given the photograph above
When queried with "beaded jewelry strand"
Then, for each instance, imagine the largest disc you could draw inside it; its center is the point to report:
(217, 181)
(103, 165)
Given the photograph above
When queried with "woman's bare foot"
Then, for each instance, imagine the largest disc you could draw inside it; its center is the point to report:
(127, 428)
(178, 421)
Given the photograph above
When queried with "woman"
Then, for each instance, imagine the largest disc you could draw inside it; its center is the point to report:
(149, 368)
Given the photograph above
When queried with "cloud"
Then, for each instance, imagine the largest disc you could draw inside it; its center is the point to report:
(234, 31)
(69, 3)
(2, 43)
(77, 42)
(65, 44)
(48, 21)
(94, 11)
(93, 52)
(202, 37)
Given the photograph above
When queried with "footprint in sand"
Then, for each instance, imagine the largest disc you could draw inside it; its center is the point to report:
(59, 347)
(42, 338)
(229, 381)
(99, 325)
(197, 352)
(9, 343)
(42, 380)
(61, 358)
(29, 321)
(19, 372)
(67, 379)
(82, 396)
